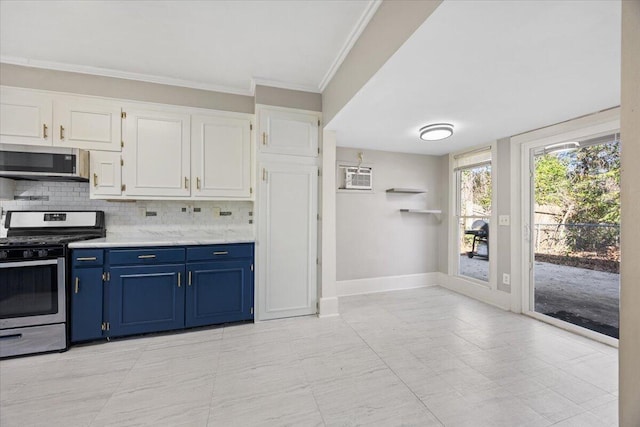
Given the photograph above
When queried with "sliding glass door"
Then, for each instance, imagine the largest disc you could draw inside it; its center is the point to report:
(575, 233)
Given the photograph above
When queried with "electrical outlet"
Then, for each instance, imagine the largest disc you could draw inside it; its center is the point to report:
(216, 212)
(504, 220)
(506, 278)
(142, 212)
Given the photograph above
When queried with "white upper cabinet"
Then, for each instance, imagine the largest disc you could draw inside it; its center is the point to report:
(105, 174)
(220, 157)
(156, 154)
(87, 123)
(284, 131)
(25, 117)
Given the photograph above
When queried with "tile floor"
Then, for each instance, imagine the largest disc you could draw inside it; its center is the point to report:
(424, 357)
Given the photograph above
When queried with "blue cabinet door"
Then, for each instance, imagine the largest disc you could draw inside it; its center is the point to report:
(219, 292)
(146, 299)
(86, 304)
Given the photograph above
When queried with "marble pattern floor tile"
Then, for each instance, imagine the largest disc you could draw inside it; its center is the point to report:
(421, 357)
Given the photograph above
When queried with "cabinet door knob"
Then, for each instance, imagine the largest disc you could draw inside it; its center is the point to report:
(61, 132)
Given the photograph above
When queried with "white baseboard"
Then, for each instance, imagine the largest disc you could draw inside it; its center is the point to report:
(328, 307)
(481, 293)
(387, 283)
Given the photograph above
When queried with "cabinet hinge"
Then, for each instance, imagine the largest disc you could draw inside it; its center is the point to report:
(251, 310)
(264, 174)
(250, 190)
(318, 217)
(317, 261)
(121, 144)
(250, 126)
(318, 122)
(318, 150)
(319, 174)
(123, 115)
(251, 267)
(121, 162)
(105, 326)
(124, 187)
(106, 276)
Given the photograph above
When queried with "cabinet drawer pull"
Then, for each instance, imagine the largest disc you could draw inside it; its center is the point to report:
(198, 183)
(61, 132)
(146, 256)
(264, 138)
(221, 253)
(189, 282)
(179, 278)
(87, 258)
(44, 131)
(95, 179)
(186, 182)
(77, 285)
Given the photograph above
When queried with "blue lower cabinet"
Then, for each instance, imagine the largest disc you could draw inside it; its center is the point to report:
(146, 299)
(219, 292)
(86, 304)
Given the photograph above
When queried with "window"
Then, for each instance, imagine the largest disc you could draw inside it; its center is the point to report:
(473, 213)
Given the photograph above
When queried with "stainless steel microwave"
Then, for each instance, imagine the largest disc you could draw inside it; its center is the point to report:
(44, 163)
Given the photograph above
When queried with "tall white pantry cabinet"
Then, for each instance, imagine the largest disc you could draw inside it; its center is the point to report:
(287, 212)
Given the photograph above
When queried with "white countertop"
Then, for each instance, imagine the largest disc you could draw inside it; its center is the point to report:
(139, 238)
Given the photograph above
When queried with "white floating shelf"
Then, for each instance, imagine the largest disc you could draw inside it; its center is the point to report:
(406, 190)
(424, 211)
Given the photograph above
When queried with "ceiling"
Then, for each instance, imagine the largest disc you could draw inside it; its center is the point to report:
(215, 45)
(491, 68)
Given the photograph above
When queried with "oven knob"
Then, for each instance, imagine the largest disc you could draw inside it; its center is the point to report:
(43, 253)
(4, 255)
(27, 254)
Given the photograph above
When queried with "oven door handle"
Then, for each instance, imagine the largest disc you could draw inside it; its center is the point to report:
(28, 263)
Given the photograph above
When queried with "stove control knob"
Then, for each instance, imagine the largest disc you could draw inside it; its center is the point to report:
(27, 254)
(4, 255)
(43, 253)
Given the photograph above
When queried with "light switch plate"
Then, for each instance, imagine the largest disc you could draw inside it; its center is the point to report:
(504, 220)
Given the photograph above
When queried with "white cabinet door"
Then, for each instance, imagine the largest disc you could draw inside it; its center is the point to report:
(288, 132)
(287, 239)
(105, 174)
(91, 124)
(25, 117)
(221, 157)
(156, 154)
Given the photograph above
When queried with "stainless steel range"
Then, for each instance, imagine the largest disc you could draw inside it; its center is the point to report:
(33, 280)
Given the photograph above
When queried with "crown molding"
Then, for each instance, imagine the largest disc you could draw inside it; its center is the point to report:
(282, 85)
(362, 23)
(107, 72)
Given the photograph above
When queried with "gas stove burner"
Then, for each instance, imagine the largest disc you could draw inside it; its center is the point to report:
(44, 240)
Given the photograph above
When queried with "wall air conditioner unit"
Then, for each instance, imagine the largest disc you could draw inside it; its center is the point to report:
(358, 178)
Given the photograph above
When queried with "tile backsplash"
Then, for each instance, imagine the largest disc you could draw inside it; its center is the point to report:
(125, 215)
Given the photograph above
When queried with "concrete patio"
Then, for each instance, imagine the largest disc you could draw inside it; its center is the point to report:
(584, 297)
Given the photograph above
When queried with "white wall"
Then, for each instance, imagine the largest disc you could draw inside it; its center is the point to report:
(373, 238)
(630, 203)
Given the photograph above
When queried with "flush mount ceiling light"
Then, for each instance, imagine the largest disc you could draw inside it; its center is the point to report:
(436, 131)
(562, 147)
